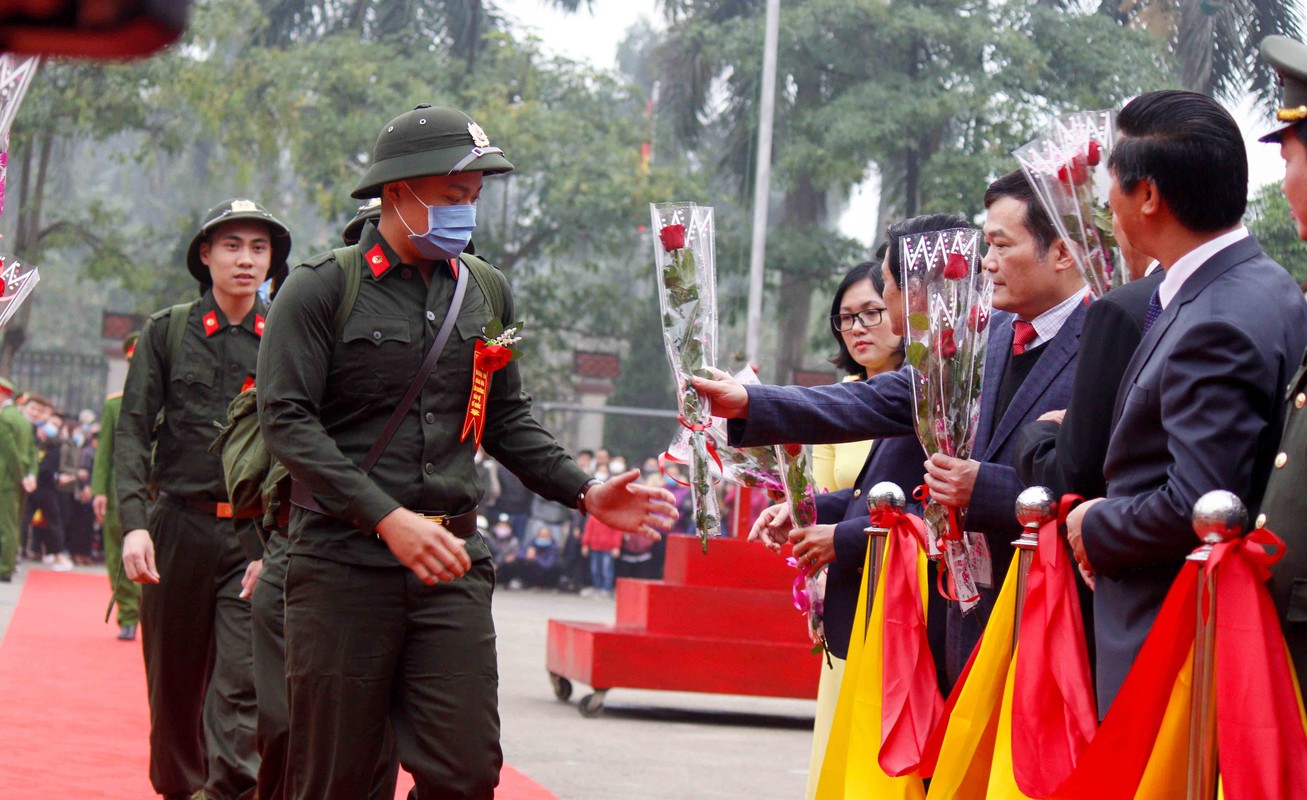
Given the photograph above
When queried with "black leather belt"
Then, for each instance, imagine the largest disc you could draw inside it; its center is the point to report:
(213, 508)
(464, 525)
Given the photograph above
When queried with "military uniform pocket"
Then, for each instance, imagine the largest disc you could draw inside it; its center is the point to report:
(376, 356)
(191, 388)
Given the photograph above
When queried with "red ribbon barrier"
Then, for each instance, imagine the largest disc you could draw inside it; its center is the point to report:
(1053, 712)
(910, 701)
(1259, 730)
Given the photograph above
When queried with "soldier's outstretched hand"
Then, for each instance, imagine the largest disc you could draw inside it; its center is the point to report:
(426, 547)
(138, 557)
(772, 527)
(634, 507)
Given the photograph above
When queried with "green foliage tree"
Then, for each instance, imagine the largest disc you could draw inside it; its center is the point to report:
(1272, 223)
(930, 94)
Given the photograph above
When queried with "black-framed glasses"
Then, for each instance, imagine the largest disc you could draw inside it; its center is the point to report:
(868, 319)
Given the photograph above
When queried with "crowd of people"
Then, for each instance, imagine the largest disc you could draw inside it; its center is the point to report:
(54, 451)
(541, 544)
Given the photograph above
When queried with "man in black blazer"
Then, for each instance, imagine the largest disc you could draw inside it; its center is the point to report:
(1200, 407)
(1036, 286)
(1066, 453)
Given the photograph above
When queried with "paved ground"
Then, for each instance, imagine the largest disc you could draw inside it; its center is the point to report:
(645, 746)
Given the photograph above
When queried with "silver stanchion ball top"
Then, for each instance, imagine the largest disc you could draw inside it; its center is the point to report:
(1218, 516)
(1035, 506)
(885, 495)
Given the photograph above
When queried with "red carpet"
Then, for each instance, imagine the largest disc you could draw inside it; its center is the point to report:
(73, 716)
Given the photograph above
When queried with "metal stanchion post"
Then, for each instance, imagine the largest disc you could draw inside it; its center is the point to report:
(1217, 516)
(1035, 506)
(882, 497)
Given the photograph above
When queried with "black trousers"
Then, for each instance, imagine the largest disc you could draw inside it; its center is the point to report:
(195, 631)
(273, 735)
(365, 645)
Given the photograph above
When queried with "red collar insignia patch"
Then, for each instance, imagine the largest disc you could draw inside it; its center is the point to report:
(377, 261)
(258, 325)
(210, 323)
(453, 267)
(248, 384)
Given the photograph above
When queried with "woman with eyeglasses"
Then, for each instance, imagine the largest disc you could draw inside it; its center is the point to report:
(865, 312)
(867, 346)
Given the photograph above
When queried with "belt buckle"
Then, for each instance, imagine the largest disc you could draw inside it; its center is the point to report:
(439, 519)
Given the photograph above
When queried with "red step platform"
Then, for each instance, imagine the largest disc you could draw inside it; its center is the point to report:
(721, 623)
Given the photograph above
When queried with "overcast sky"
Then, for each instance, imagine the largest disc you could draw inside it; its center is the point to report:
(594, 38)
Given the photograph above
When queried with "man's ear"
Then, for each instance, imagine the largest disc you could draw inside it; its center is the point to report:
(1060, 250)
(203, 252)
(1152, 202)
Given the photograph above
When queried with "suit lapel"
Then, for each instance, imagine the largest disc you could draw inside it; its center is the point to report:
(997, 352)
(1059, 353)
(1213, 268)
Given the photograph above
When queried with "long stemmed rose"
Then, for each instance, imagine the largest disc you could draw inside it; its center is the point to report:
(801, 497)
(17, 280)
(750, 467)
(683, 254)
(1068, 169)
(948, 309)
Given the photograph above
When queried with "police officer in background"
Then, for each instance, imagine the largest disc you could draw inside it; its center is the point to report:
(389, 584)
(192, 549)
(104, 502)
(1284, 507)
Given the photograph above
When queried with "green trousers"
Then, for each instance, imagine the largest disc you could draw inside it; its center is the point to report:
(371, 646)
(269, 641)
(11, 515)
(195, 631)
(126, 594)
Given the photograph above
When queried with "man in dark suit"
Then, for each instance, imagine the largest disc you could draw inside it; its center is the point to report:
(1284, 508)
(1040, 293)
(1067, 454)
(1200, 408)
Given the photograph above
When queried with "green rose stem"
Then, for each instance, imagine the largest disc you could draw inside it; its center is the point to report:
(683, 321)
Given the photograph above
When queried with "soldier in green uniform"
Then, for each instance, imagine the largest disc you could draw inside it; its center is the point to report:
(192, 549)
(268, 612)
(18, 460)
(1284, 507)
(389, 584)
(104, 501)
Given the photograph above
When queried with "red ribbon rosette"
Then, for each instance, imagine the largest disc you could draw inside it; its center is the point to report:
(489, 358)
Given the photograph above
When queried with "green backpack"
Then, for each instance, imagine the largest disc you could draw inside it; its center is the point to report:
(254, 478)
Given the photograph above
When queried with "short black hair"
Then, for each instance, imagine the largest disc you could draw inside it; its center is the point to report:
(927, 223)
(1297, 129)
(1191, 147)
(867, 270)
(1018, 187)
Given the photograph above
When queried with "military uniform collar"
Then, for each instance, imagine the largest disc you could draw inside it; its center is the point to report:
(378, 255)
(212, 320)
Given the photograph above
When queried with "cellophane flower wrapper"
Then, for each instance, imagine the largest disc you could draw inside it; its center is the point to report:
(948, 304)
(17, 280)
(1068, 169)
(801, 496)
(750, 467)
(687, 285)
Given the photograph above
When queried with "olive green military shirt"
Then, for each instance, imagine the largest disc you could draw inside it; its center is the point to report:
(216, 360)
(324, 400)
(102, 480)
(18, 456)
(1284, 510)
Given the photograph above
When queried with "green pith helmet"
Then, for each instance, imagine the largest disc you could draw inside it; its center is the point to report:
(7, 387)
(1289, 59)
(429, 140)
(233, 210)
(354, 228)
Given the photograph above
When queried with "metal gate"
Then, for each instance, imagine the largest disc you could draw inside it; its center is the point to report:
(72, 381)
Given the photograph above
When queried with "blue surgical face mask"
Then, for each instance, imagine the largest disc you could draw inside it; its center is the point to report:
(50, 430)
(449, 229)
